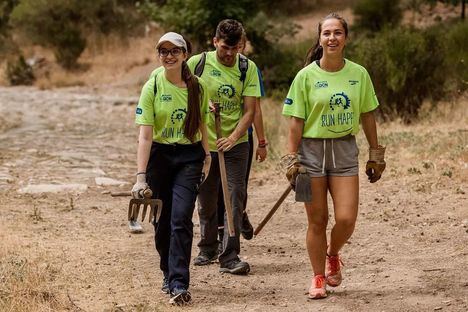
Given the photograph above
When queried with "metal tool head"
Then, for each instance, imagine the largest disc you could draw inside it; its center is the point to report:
(136, 204)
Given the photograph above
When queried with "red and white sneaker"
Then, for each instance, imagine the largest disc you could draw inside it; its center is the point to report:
(318, 288)
(333, 271)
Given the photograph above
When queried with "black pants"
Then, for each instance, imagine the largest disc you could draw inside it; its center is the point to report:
(173, 173)
(221, 207)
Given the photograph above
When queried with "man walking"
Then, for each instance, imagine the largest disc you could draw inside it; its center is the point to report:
(233, 82)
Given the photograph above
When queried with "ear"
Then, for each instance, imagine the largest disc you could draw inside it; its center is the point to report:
(215, 41)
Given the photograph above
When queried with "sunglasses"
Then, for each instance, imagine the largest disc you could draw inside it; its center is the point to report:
(174, 51)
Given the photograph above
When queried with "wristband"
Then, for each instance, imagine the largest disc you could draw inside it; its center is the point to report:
(141, 172)
(208, 155)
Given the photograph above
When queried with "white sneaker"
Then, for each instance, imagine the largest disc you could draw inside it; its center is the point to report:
(135, 227)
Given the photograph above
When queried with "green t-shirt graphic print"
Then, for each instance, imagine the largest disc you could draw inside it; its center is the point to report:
(225, 87)
(167, 112)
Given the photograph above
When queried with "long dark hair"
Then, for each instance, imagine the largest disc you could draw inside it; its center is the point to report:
(193, 117)
(316, 52)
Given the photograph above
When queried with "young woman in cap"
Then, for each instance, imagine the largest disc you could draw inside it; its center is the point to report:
(326, 101)
(173, 156)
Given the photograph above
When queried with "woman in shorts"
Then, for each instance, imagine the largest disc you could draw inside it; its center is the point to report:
(325, 102)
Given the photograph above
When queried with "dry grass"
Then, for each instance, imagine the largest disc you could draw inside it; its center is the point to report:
(27, 283)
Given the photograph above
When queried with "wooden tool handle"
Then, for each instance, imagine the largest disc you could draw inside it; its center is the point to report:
(147, 193)
(222, 170)
(273, 210)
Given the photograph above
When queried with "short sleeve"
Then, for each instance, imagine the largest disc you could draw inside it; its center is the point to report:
(193, 61)
(260, 79)
(296, 101)
(369, 100)
(252, 82)
(144, 114)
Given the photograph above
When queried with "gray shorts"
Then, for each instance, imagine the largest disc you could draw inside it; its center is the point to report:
(330, 157)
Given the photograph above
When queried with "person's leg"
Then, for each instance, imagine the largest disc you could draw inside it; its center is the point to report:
(236, 167)
(184, 195)
(317, 219)
(247, 228)
(345, 194)
(159, 180)
(221, 210)
(207, 212)
(316, 237)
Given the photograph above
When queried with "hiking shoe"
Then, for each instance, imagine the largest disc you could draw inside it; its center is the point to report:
(180, 296)
(318, 288)
(205, 258)
(333, 272)
(165, 286)
(235, 267)
(247, 230)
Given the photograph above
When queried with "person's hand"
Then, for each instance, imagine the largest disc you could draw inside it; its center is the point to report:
(261, 152)
(140, 186)
(206, 167)
(225, 144)
(291, 165)
(376, 164)
(211, 106)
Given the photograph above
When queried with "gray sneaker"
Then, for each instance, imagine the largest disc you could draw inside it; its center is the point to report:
(205, 258)
(235, 267)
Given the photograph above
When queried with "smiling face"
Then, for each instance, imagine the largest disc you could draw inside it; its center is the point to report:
(171, 56)
(333, 37)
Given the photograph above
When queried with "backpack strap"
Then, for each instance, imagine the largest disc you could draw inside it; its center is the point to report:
(200, 65)
(243, 67)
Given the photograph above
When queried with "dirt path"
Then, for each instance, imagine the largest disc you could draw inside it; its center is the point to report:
(409, 251)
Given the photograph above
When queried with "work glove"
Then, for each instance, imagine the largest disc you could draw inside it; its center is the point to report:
(376, 163)
(140, 186)
(291, 166)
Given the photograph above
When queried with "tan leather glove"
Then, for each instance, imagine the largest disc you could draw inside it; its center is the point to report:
(291, 166)
(376, 163)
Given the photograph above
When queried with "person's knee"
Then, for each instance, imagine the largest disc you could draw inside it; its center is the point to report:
(347, 222)
(318, 223)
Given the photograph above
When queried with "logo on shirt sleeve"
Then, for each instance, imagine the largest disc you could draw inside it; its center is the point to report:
(288, 101)
(139, 111)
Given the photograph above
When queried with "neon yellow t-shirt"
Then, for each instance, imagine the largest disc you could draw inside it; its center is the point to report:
(224, 86)
(330, 102)
(166, 113)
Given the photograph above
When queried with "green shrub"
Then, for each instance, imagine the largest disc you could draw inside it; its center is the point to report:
(456, 55)
(18, 72)
(375, 15)
(406, 67)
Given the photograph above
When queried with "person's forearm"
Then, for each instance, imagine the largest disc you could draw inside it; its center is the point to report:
(370, 129)
(296, 126)
(258, 121)
(145, 140)
(246, 121)
(204, 140)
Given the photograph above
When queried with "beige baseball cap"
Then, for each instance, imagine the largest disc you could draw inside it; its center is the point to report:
(173, 38)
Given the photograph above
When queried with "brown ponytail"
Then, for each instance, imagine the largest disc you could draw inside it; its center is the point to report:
(193, 117)
(316, 52)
